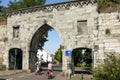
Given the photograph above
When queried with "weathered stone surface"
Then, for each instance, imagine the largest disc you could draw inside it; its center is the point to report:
(77, 26)
(65, 22)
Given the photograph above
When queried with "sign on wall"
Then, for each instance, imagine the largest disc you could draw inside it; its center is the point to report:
(68, 53)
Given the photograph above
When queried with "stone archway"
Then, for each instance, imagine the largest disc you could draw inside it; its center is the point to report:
(35, 44)
(75, 31)
(15, 58)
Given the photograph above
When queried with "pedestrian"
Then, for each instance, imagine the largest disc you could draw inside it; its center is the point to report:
(49, 74)
(50, 66)
(38, 67)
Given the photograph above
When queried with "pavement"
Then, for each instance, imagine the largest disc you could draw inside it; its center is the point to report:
(60, 77)
(12, 72)
(9, 72)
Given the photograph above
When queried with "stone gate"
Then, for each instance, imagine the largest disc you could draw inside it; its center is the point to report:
(77, 23)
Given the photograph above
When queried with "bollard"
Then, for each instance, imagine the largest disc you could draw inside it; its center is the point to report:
(81, 77)
(69, 70)
(69, 74)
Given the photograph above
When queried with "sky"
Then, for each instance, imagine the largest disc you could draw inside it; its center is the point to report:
(54, 41)
(5, 2)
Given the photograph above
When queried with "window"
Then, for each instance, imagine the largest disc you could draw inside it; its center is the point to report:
(15, 31)
(82, 27)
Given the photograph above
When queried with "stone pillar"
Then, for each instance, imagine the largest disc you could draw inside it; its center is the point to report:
(5, 60)
(6, 56)
(63, 63)
(66, 59)
(25, 60)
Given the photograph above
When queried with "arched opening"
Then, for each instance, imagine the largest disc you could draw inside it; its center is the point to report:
(15, 59)
(36, 43)
(82, 58)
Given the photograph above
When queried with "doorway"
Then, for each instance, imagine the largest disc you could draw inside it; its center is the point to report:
(15, 59)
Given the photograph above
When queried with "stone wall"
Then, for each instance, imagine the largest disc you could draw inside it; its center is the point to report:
(66, 22)
(77, 26)
(2, 41)
(108, 39)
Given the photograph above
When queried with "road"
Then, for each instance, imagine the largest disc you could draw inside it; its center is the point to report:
(32, 76)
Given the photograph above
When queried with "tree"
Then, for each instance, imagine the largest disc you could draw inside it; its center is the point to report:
(15, 5)
(3, 17)
(24, 4)
(58, 54)
(78, 57)
(2, 11)
(43, 39)
(88, 57)
(116, 1)
(110, 70)
(82, 55)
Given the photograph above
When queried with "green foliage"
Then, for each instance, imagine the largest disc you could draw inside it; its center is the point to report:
(3, 11)
(3, 17)
(42, 40)
(88, 58)
(110, 70)
(103, 4)
(58, 55)
(77, 57)
(78, 64)
(108, 5)
(116, 1)
(2, 67)
(19, 5)
(24, 4)
(80, 59)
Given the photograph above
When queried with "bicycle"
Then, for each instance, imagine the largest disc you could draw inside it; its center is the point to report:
(49, 74)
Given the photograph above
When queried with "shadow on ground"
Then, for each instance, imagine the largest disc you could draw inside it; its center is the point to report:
(82, 75)
(83, 72)
(2, 79)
